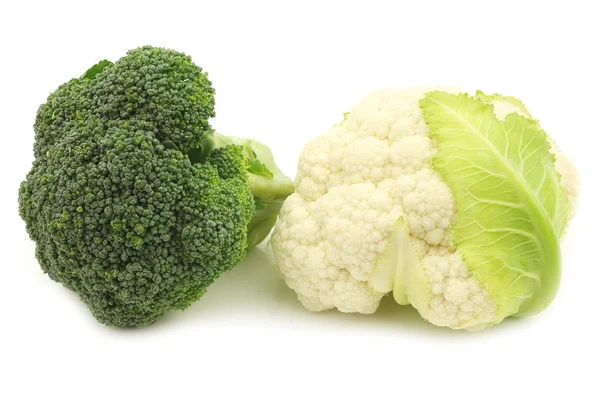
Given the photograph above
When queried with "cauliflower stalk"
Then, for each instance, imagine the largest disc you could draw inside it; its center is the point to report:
(454, 203)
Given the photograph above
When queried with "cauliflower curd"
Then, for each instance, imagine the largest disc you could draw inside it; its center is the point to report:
(371, 215)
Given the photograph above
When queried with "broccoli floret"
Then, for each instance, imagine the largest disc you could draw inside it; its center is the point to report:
(119, 210)
(269, 185)
(63, 111)
(160, 86)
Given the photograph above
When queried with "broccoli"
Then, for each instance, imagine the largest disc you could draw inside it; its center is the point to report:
(132, 201)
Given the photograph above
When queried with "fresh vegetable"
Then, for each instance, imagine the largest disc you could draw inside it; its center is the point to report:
(133, 201)
(453, 203)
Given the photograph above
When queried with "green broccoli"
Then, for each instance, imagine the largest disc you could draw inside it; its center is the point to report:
(131, 201)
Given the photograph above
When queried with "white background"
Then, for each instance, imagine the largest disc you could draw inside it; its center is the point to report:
(285, 71)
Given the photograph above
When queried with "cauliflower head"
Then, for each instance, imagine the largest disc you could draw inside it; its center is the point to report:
(395, 200)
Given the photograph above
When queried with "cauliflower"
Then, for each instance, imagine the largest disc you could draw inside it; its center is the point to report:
(453, 203)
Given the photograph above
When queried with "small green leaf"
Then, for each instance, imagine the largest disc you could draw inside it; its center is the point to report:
(259, 204)
(96, 69)
(257, 168)
(170, 145)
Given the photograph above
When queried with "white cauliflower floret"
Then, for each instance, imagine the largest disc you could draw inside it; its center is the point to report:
(354, 184)
(327, 246)
(458, 300)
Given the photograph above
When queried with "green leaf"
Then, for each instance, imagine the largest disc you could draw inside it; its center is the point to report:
(511, 207)
(170, 145)
(96, 69)
(257, 168)
(399, 269)
(496, 99)
(259, 204)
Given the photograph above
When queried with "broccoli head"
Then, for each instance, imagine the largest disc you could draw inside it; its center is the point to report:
(130, 203)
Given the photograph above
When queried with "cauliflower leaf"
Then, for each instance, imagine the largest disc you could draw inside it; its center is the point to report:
(512, 208)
